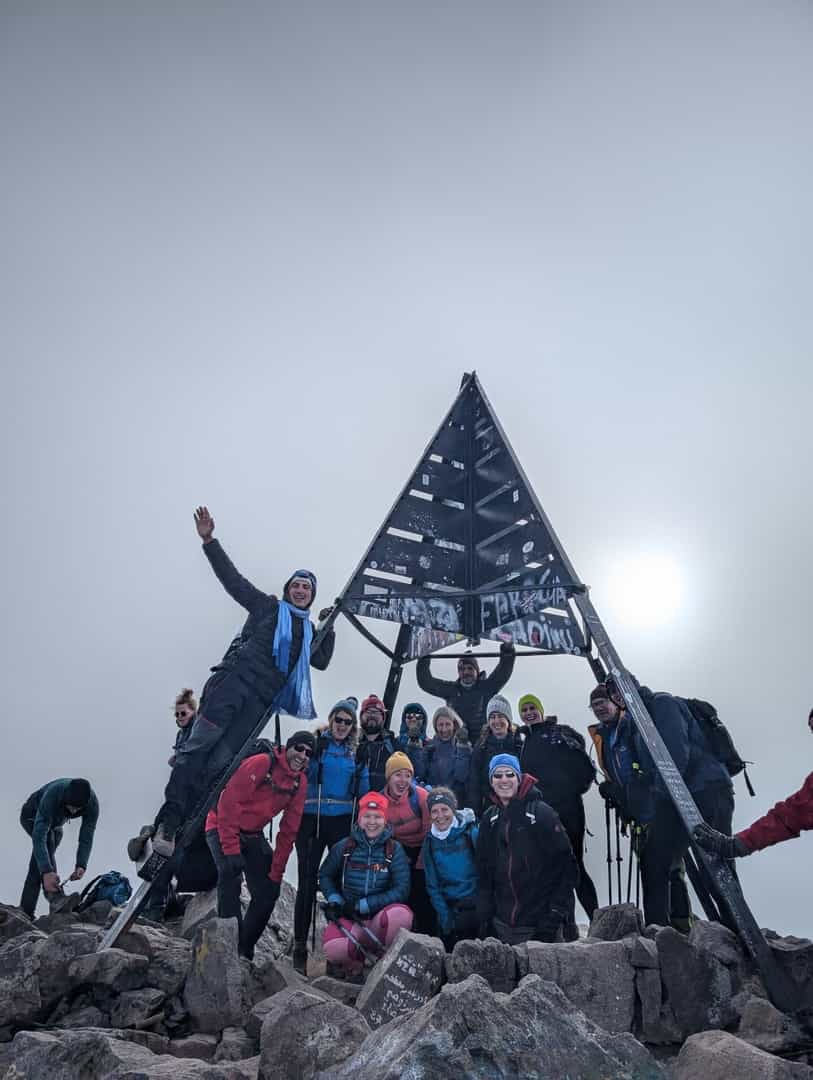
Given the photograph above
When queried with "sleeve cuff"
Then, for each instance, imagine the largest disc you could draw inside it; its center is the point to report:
(335, 898)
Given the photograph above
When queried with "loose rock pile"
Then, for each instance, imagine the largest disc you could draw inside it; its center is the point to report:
(176, 1001)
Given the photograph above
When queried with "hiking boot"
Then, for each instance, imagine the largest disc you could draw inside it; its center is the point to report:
(300, 957)
(135, 845)
(163, 843)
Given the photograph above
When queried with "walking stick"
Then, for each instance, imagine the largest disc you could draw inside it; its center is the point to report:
(313, 870)
(609, 850)
(618, 856)
(629, 865)
(638, 866)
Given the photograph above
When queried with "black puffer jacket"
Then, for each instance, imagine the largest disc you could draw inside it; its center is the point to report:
(479, 790)
(470, 703)
(526, 869)
(250, 655)
(554, 753)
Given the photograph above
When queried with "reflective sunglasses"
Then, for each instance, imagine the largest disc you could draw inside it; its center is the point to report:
(503, 775)
(303, 748)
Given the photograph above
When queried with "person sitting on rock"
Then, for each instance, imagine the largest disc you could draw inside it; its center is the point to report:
(412, 736)
(469, 693)
(408, 816)
(185, 708)
(499, 736)
(365, 881)
(450, 866)
(447, 757)
(554, 753)
(267, 667)
(335, 780)
(263, 786)
(377, 742)
(787, 820)
(526, 868)
(42, 816)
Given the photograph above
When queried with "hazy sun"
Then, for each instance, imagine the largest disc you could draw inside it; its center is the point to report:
(646, 590)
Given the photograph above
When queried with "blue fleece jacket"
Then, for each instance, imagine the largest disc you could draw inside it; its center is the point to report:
(450, 868)
(335, 764)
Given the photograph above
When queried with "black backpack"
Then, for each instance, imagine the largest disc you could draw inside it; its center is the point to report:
(718, 738)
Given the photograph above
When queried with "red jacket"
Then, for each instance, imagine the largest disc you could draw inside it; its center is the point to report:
(409, 828)
(784, 822)
(263, 785)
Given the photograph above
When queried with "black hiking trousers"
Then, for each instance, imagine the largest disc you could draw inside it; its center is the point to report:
(309, 851)
(257, 855)
(668, 842)
(33, 879)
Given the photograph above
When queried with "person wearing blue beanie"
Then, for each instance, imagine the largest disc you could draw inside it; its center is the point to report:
(508, 760)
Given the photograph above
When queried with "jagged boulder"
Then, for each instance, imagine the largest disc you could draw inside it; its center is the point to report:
(235, 1045)
(169, 956)
(763, 1025)
(343, 991)
(469, 1031)
(616, 921)
(698, 986)
(795, 956)
(198, 1045)
(201, 907)
(216, 991)
(492, 959)
(95, 1055)
(404, 979)
(114, 969)
(34, 972)
(716, 1055)
(303, 1033)
(597, 977)
(13, 922)
(134, 1007)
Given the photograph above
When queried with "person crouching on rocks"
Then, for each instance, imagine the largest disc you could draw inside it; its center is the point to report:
(450, 867)
(263, 786)
(526, 867)
(365, 879)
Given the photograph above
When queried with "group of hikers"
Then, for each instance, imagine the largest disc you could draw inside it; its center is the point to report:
(475, 830)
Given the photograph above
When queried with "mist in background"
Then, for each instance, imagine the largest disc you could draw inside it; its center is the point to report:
(248, 252)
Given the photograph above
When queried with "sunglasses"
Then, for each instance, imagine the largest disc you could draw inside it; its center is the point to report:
(503, 775)
(343, 720)
(182, 715)
(303, 748)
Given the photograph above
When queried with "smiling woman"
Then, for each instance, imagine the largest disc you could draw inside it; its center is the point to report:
(646, 590)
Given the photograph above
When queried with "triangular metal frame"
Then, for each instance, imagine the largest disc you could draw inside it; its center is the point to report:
(455, 472)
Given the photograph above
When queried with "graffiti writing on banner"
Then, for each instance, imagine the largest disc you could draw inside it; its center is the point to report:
(432, 614)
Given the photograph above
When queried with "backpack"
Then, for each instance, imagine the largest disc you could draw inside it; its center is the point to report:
(718, 738)
(111, 886)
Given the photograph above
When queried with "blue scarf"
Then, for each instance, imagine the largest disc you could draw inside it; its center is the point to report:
(295, 698)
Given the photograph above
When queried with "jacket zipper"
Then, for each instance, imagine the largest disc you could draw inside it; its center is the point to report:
(515, 909)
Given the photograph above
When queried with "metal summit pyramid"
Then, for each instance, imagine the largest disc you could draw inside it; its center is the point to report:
(466, 550)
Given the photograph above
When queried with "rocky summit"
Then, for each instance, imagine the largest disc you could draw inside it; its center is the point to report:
(174, 1000)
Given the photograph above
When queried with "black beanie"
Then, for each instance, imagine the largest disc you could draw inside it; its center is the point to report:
(305, 737)
(77, 793)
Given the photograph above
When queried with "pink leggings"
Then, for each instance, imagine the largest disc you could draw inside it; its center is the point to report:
(385, 924)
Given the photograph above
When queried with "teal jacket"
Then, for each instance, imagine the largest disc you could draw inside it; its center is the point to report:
(450, 867)
(45, 810)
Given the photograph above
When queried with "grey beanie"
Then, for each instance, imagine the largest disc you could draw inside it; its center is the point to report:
(501, 705)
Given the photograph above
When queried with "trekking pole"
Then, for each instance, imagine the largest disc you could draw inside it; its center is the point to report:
(313, 870)
(376, 940)
(609, 851)
(629, 864)
(637, 866)
(350, 937)
(619, 858)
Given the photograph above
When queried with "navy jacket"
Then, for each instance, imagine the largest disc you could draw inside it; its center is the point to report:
(342, 779)
(250, 654)
(364, 874)
(45, 810)
(450, 868)
(470, 703)
(447, 764)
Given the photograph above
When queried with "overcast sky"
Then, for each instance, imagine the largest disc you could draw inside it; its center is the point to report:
(248, 251)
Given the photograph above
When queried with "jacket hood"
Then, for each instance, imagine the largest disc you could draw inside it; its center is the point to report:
(403, 731)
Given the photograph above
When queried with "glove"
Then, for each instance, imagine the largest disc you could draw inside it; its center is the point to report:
(332, 912)
(607, 790)
(507, 648)
(234, 864)
(727, 847)
(349, 909)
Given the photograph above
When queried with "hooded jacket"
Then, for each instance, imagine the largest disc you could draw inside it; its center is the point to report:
(554, 753)
(374, 874)
(784, 822)
(250, 654)
(526, 867)
(479, 789)
(451, 868)
(45, 810)
(413, 748)
(263, 786)
(342, 779)
(468, 702)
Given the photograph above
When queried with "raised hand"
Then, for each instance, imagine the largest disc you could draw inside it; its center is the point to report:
(204, 523)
